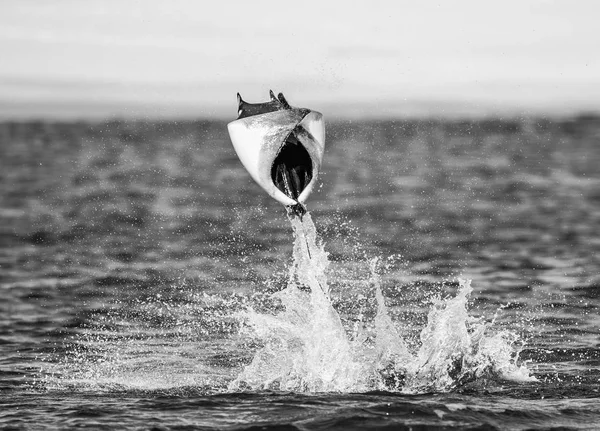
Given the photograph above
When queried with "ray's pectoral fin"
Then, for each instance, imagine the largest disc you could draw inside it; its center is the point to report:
(292, 168)
(246, 109)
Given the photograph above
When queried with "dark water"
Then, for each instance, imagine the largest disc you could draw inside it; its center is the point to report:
(130, 254)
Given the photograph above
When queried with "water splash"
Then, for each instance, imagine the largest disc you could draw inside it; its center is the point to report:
(181, 339)
(307, 348)
(158, 343)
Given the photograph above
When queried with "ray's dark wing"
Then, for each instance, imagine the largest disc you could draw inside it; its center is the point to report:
(246, 109)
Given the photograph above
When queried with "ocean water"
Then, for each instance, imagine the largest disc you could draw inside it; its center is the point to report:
(447, 276)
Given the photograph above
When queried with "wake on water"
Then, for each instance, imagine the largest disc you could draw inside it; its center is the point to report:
(304, 345)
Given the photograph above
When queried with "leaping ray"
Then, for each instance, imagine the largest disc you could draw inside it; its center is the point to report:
(281, 146)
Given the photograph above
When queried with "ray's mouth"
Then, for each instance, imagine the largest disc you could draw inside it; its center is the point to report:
(292, 168)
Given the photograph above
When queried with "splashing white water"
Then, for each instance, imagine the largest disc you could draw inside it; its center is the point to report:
(307, 348)
(306, 345)
(191, 340)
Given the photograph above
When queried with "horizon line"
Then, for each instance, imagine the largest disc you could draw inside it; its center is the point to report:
(75, 110)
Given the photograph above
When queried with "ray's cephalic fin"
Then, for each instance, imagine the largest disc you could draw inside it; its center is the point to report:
(284, 102)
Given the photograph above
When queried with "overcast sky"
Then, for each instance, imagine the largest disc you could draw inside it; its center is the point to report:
(191, 57)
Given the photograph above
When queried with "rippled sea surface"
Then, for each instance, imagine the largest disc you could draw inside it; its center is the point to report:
(147, 282)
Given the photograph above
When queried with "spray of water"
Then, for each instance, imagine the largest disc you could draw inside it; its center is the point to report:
(307, 348)
(192, 340)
